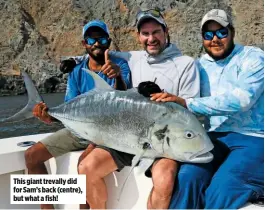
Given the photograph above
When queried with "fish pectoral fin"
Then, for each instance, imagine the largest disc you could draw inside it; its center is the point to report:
(99, 82)
(144, 164)
(135, 161)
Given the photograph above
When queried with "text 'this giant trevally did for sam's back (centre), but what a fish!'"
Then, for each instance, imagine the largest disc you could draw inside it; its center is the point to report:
(129, 122)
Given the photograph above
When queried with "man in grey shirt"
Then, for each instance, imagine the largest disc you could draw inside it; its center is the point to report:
(162, 62)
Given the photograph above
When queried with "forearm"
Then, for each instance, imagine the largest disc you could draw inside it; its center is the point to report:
(225, 104)
(239, 93)
(120, 84)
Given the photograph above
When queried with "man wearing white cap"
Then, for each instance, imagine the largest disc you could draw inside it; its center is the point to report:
(232, 100)
(162, 62)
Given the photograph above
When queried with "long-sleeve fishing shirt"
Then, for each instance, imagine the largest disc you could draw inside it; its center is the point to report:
(232, 91)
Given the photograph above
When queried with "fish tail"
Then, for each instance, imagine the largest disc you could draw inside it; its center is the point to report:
(33, 99)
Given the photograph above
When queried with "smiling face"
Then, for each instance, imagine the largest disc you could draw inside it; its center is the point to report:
(97, 49)
(153, 37)
(218, 48)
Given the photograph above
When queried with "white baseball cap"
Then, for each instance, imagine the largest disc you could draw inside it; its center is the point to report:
(217, 15)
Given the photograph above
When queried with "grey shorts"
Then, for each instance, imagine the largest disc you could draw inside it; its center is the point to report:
(63, 141)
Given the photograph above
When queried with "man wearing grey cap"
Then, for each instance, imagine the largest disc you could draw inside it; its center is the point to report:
(162, 62)
(232, 100)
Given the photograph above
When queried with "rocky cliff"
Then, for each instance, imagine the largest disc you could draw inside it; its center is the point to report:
(35, 35)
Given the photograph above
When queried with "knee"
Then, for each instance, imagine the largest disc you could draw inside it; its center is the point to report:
(226, 192)
(224, 188)
(191, 183)
(221, 187)
(31, 159)
(85, 167)
(192, 176)
(89, 167)
(163, 178)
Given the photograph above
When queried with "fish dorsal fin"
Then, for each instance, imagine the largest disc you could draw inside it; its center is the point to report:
(33, 99)
(135, 161)
(99, 82)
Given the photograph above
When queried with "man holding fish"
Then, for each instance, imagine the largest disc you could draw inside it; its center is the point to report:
(114, 71)
(236, 125)
(162, 62)
(233, 104)
(232, 90)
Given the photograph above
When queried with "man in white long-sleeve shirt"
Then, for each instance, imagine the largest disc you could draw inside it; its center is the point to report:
(162, 62)
(232, 99)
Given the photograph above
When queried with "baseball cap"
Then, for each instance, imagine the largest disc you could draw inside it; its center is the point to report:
(150, 14)
(95, 23)
(217, 15)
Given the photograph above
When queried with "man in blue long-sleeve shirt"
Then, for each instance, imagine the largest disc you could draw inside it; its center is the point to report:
(115, 72)
(232, 101)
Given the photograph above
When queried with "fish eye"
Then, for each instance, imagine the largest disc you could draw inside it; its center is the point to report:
(189, 134)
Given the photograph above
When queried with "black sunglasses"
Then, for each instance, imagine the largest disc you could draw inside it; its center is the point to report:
(220, 33)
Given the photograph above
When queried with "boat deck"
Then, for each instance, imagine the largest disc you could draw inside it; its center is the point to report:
(134, 196)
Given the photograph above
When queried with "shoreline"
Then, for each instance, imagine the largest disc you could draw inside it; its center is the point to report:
(25, 93)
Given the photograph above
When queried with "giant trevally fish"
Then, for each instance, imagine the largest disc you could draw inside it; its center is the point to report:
(129, 122)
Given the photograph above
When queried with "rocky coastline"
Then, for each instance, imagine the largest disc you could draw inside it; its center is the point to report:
(14, 85)
(36, 35)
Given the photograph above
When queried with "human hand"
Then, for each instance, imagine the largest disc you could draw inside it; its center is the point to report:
(40, 111)
(110, 69)
(167, 97)
(67, 66)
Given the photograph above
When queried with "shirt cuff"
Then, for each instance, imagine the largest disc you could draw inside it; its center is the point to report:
(189, 104)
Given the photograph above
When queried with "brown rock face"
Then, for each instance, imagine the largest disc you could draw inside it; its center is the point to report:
(35, 35)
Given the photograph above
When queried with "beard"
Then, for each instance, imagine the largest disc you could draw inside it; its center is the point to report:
(156, 51)
(226, 53)
(99, 57)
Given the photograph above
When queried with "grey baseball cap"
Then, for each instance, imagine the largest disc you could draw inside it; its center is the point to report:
(150, 14)
(217, 15)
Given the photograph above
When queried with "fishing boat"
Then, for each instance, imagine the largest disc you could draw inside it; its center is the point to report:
(134, 195)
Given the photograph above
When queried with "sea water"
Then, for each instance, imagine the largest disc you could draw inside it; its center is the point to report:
(9, 105)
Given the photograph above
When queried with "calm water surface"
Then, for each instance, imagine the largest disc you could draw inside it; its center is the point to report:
(9, 105)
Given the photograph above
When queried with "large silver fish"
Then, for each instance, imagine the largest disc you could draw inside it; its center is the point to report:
(129, 122)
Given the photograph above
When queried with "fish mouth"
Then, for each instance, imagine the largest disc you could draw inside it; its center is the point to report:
(202, 158)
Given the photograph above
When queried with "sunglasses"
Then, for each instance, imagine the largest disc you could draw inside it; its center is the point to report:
(209, 35)
(153, 12)
(101, 40)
